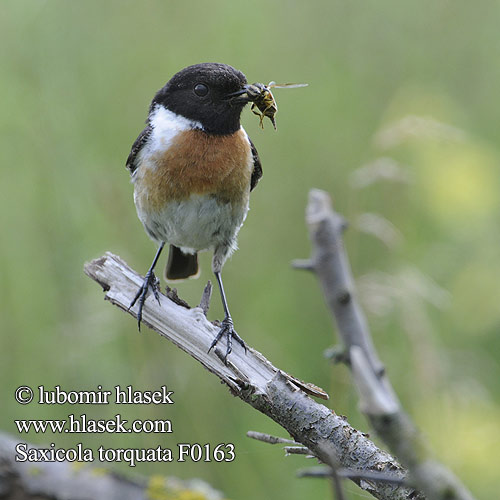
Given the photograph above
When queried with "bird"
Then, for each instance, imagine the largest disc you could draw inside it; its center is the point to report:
(193, 168)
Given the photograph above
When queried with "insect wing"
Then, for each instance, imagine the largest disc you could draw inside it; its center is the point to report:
(286, 85)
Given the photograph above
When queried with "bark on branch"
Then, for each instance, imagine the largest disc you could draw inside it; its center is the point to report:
(255, 380)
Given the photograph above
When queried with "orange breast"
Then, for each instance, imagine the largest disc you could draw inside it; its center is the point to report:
(199, 163)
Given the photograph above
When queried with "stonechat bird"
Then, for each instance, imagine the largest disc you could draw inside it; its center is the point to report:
(193, 168)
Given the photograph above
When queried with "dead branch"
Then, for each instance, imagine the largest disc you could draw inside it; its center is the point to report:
(252, 378)
(377, 398)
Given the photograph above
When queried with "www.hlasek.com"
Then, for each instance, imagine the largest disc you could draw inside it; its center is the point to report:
(182, 452)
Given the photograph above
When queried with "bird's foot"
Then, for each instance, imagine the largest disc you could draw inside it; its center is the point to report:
(227, 329)
(150, 281)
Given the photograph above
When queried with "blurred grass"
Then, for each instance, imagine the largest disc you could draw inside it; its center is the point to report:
(77, 78)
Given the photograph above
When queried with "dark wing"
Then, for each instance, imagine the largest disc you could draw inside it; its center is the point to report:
(136, 147)
(257, 167)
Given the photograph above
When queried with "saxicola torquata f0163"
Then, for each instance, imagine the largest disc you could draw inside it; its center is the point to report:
(193, 168)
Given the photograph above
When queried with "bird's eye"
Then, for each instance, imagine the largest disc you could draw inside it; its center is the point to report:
(200, 89)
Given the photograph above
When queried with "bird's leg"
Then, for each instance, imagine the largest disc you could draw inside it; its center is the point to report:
(150, 280)
(227, 327)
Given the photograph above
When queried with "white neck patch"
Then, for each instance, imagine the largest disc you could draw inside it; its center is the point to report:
(167, 124)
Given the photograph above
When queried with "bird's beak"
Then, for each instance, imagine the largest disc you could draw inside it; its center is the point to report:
(243, 95)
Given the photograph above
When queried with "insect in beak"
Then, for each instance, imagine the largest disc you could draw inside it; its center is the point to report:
(263, 102)
(262, 99)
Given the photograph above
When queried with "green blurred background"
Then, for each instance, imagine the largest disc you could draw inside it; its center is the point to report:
(399, 123)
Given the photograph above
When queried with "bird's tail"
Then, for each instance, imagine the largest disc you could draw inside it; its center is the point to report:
(181, 265)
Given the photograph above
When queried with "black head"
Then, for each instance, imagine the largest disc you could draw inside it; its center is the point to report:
(202, 92)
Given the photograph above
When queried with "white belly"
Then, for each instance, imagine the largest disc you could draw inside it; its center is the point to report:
(198, 223)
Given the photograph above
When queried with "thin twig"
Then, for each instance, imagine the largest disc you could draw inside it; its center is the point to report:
(371, 476)
(298, 450)
(267, 438)
(205, 298)
(337, 488)
(320, 472)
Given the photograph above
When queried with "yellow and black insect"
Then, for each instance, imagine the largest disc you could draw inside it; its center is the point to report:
(263, 102)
